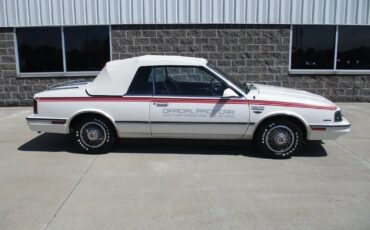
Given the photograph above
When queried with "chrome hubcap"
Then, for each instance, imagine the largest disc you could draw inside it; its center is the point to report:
(280, 139)
(93, 134)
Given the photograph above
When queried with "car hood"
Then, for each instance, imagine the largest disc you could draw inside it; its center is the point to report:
(274, 93)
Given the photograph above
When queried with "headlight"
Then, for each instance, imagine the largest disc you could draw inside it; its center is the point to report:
(338, 116)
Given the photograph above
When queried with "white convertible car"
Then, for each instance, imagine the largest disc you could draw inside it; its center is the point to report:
(183, 97)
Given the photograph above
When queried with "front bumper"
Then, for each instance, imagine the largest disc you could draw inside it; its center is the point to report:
(328, 131)
(47, 124)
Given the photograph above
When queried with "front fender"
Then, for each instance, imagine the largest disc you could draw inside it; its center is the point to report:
(251, 130)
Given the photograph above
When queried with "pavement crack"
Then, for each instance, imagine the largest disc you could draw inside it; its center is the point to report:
(353, 153)
(70, 193)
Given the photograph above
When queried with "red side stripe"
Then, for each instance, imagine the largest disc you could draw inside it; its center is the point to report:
(292, 104)
(93, 99)
(140, 99)
(184, 100)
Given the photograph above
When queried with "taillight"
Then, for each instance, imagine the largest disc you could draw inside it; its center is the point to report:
(34, 106)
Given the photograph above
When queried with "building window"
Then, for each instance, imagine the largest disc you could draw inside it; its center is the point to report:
(313, 47)
(43, 49)
(330, 49)
(40, 49)
(353, 48)
(87, 47)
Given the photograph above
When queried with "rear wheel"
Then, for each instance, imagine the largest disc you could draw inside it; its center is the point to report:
(278, 138)
(94, 134)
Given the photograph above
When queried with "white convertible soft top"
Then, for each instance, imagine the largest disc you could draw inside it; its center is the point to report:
(116, 76)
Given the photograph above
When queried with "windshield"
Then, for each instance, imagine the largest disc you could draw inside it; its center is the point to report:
(228, 77)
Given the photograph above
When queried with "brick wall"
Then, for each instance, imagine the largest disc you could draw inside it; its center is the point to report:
(253, 53)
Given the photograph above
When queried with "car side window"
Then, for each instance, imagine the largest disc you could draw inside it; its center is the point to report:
(187, 81)
(142, 84)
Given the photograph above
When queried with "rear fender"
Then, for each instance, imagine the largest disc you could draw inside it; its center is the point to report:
(91, 111)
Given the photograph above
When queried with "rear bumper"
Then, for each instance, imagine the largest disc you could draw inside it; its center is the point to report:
(329, 132)
(47, 124)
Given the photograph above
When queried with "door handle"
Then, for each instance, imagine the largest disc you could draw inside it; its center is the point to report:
(161, 104)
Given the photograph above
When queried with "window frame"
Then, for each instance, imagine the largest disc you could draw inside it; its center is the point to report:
(64, 73)
(322, 71)
(184, 96)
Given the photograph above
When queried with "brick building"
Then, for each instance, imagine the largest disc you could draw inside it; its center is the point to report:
(322, 46)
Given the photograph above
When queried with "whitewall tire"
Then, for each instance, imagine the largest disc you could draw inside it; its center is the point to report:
(278, 138)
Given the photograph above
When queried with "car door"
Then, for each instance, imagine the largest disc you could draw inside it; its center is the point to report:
(132, 115)
(188, 103)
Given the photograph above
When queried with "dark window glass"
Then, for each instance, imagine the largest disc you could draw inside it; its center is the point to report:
(313, 47)
(40, 49)
(142, 83)
(234, 80)
(187, 81)
(87, 47)
(353, 47)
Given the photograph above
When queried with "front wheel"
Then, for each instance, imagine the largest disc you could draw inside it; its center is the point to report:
(94, 135)
(278, 139)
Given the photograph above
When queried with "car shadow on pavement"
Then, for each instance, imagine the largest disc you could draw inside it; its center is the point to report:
(47, 142)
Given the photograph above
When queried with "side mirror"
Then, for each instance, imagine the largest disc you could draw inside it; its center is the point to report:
(229, 93)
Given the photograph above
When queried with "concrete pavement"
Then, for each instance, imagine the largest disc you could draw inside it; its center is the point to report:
(146, 184)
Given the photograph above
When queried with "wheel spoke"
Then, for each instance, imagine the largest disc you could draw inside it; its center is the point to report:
(93, 134)
(280, 139)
